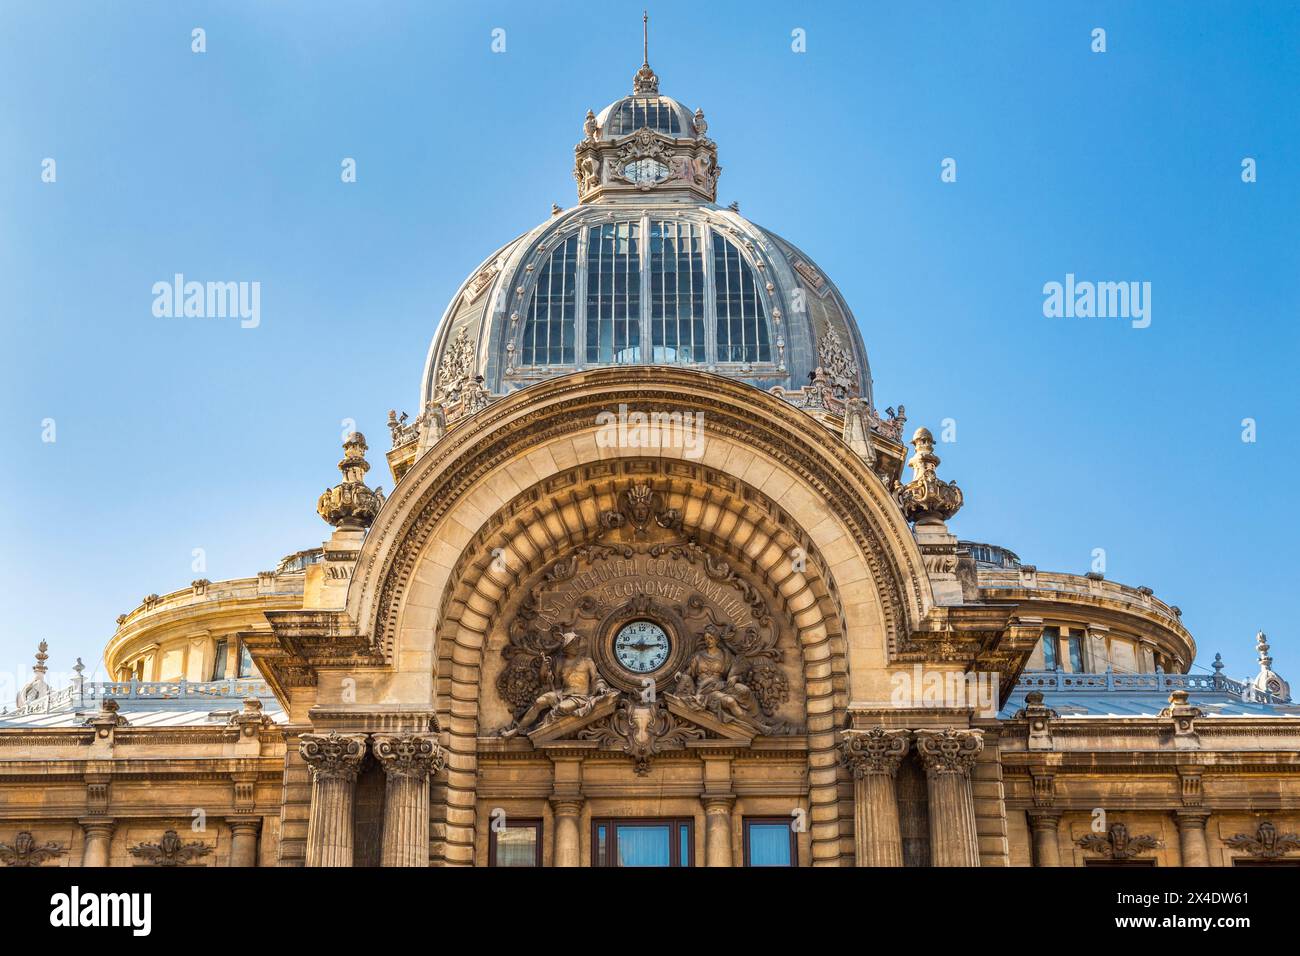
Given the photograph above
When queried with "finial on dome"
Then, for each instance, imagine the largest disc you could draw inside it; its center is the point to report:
(351, 503)
(926, 496)
(645, 82)
(1268, 680)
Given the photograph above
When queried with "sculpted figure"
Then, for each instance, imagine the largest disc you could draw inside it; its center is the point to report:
(576, 686)
(711, 681)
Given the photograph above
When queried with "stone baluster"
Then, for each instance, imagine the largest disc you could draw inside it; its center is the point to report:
(873, 757)
(408, 760)
(335, 760)
(949, 756)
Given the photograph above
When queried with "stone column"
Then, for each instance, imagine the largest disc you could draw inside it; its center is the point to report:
(243, 840)
(1191, 837)
(408, 760)
(1045, 825)
(949, 756)
(99, 835)
(717, 829)
(873, 757)
(335, 760)
(568, 846)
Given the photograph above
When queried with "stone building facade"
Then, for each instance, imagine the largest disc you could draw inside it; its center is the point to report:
(657, 584)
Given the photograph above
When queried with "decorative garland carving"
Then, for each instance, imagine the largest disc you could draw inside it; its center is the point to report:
(26, 852)
(457, 367)
(1117, 843)
(170, 851)
(1267, 843)
(641, 730)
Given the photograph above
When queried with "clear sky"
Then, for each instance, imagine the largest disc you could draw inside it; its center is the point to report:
(1072, 434)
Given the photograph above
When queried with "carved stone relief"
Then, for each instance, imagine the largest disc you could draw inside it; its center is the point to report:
(719, 669)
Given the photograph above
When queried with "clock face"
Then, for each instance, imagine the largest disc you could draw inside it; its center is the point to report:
(641, 646)
(645, 171)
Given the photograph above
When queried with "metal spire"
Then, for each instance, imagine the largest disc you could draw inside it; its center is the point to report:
(645, 38)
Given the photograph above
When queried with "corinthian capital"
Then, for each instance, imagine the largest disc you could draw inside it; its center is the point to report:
(409, 755)
(873, 751)
(333, 755)
(949, 751)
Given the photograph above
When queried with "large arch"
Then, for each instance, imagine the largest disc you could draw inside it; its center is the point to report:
(526, 476)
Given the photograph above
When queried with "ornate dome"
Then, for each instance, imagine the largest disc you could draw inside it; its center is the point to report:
(647, 270)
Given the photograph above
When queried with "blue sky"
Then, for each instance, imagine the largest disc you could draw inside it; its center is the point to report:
(1072, 434)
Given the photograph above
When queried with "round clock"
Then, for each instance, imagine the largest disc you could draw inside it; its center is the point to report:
(641, 646)
(645, 171)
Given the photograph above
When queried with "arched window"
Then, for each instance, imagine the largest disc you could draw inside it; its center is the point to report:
(549, 334)
(614, 293)
(662, 291)
(677, 293)
(742, 321)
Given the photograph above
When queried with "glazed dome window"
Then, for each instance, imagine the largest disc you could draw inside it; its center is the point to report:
(634, 112)
(661, 291)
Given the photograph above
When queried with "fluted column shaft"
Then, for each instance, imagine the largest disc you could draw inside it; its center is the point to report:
(243, 840)
(873, 757)
(1191, 837)
(717, 830)
(335, 760)
(99, 837)
(1045, 825)
(408, 760)
(568, 848)
(949, 756)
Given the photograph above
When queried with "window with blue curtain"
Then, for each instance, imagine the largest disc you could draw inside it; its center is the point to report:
(769, 843)
(654, 843)
(1051, 640)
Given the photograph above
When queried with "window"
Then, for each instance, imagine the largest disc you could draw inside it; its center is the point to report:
(1074, 650)
(246, 668)
(642, 843)
(1063, 650)
(638, 111)
(549, 331)
(518, 844)
(667, 291)
(770, 841)
(219, 660)
(614, 293)
(742, 323)
(1050, 637)
(677, 292)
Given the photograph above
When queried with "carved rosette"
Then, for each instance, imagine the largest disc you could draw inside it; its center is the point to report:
(409, 755)
(926, 496)
(874, 751)
(949, 751)
(333, 756)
